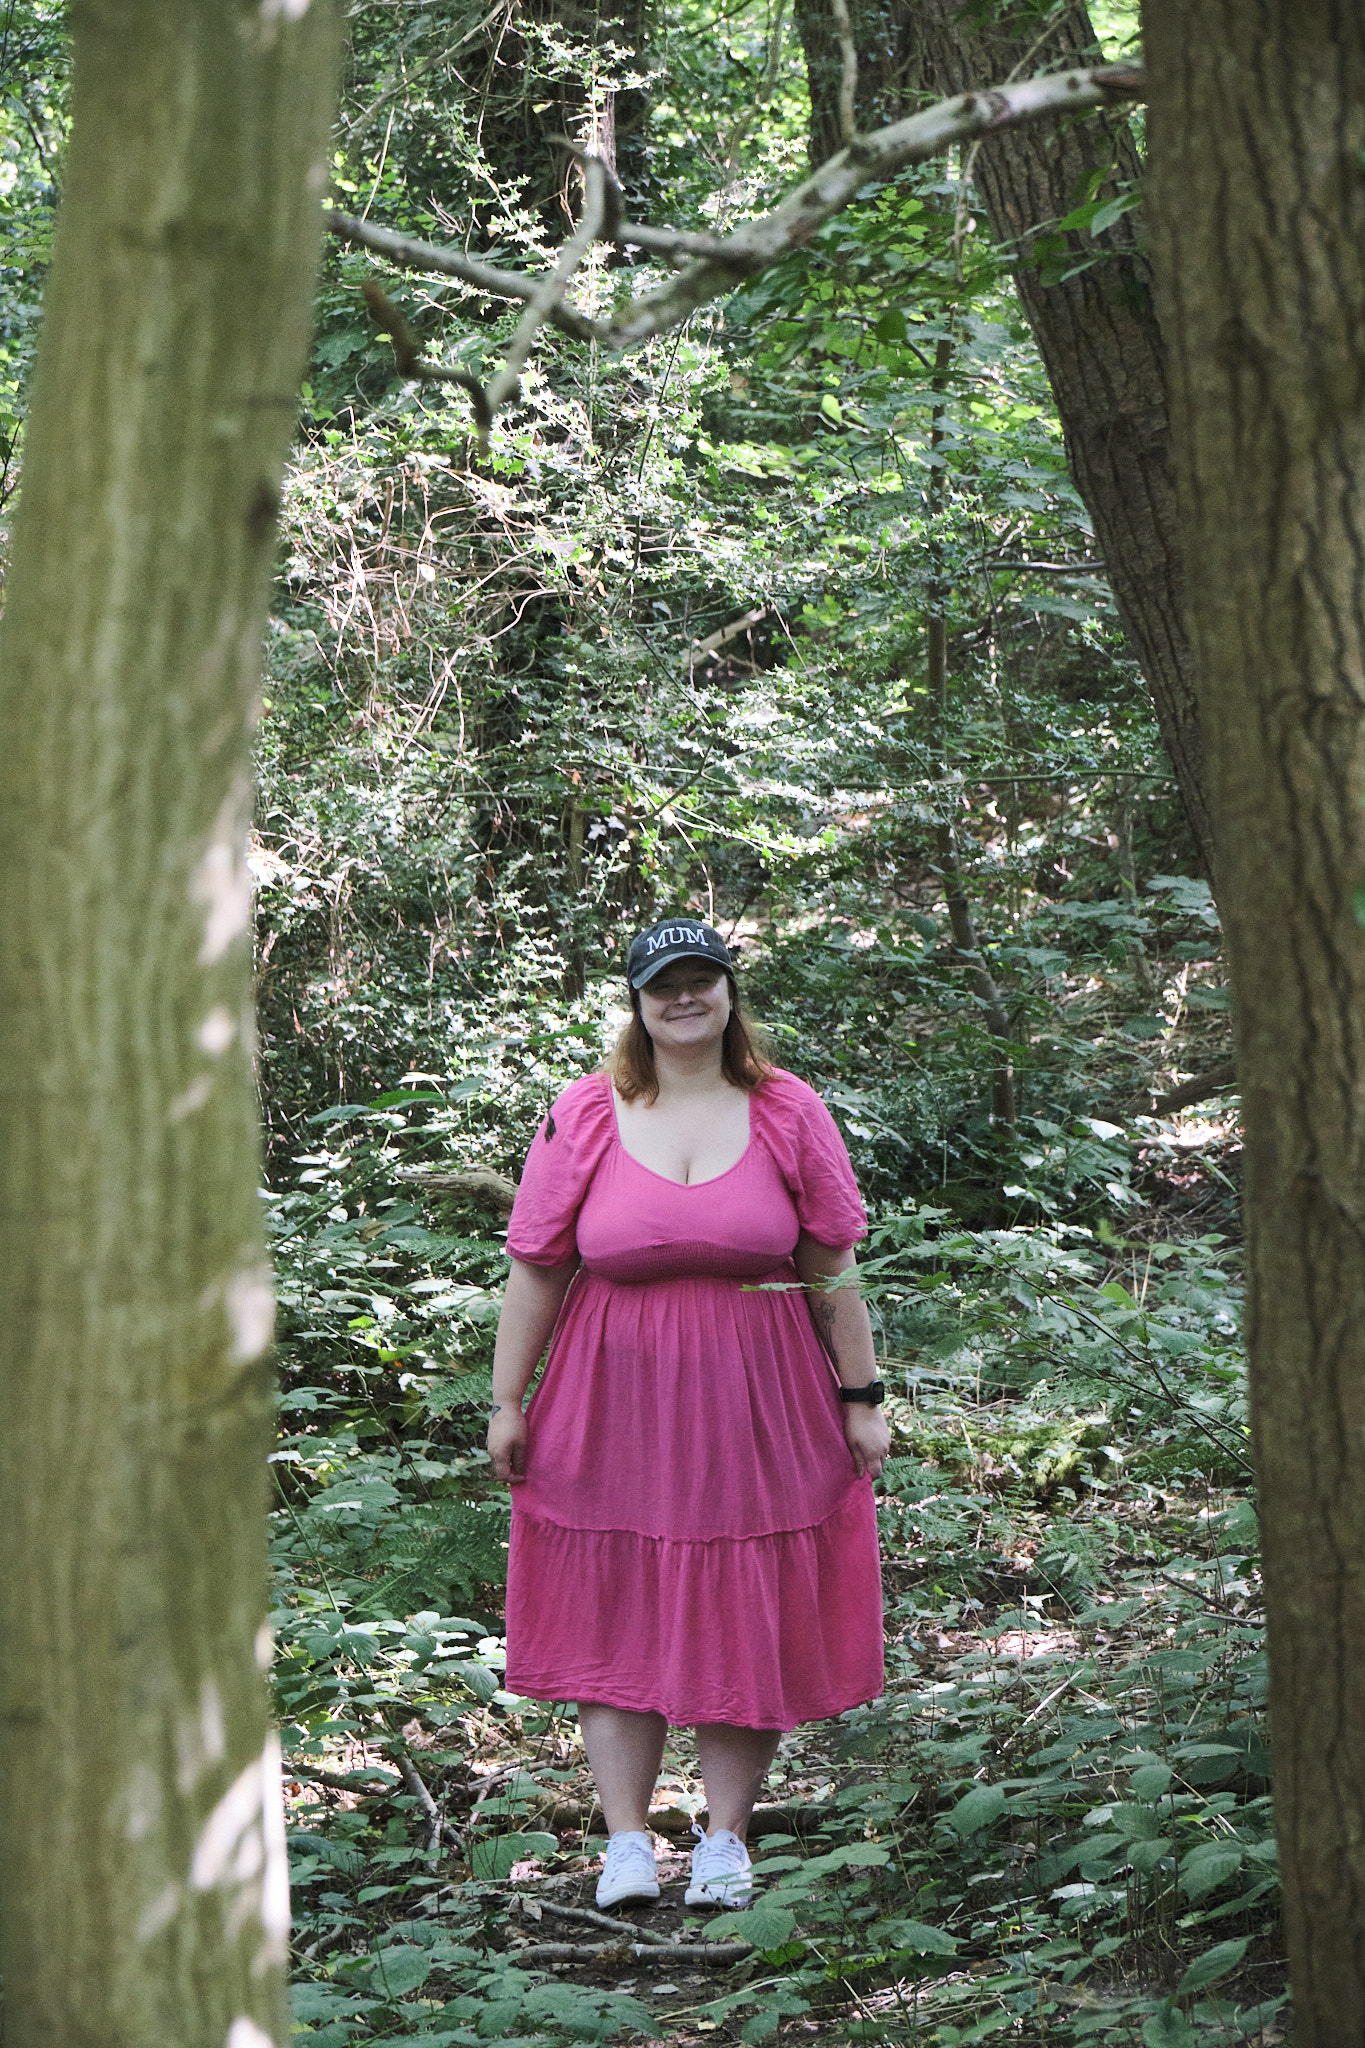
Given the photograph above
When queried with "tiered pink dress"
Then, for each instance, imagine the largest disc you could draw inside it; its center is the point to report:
(691, 1538)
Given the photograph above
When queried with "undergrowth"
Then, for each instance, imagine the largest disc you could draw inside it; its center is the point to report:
(1054, 1825)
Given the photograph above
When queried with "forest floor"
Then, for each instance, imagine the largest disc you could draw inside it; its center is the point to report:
(1054, 1825)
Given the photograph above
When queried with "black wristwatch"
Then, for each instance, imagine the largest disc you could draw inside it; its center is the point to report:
(874, 1393)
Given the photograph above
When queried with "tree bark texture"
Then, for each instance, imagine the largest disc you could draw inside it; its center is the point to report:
(1256, 125)
(143, 1884)
(1097, 331)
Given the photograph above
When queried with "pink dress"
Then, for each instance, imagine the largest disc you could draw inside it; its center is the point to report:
(691, 1538)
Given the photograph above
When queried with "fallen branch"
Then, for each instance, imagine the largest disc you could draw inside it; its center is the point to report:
(1217, 1081)
(672, 1822)
(412, 1778)
(477, 1183)
(344, 1781)
(719, 263)
(635, 1951)
(715, 641)
(588, 1918)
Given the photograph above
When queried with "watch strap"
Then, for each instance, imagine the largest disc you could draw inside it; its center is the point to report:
(874, 1393)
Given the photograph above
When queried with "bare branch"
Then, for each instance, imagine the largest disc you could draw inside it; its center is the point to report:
(476, 1183)
(671, 241)
(408, 356)
(718, 263)
(848, 83)
(872, 160)
(408, 253)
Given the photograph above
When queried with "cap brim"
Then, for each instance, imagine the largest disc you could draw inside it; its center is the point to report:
(683, 953)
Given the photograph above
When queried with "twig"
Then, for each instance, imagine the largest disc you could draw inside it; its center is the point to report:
(549, 293)
(408, 357)
(412, 1778)
(848, 83)
(1041, 1708)
(1148, 1364)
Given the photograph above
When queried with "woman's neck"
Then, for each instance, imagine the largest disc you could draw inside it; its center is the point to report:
(695, 1070)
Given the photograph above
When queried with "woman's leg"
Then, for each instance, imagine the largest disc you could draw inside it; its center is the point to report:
(734, 1763)
(625, 1751)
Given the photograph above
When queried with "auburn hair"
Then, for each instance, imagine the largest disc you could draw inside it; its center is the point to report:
(631, 1065)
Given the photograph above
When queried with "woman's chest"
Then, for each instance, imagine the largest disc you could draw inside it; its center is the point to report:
(688, 1142)
(744, 1219)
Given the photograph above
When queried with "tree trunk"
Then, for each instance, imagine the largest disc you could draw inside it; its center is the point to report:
(1257, 124)
(1097, 331)
(143, 1884)
(527, 94)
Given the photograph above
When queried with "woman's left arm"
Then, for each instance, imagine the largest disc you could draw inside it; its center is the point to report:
(840, 1315)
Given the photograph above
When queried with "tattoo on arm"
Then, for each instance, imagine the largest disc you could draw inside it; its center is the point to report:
(822, 1315)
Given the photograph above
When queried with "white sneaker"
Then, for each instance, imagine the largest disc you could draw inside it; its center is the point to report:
(721, 1872)
(629, 1870)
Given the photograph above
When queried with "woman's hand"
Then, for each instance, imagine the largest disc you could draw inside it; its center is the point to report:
(868, 1437)
(507, 1442)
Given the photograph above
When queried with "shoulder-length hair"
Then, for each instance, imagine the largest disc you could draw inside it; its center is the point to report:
(742, 1062)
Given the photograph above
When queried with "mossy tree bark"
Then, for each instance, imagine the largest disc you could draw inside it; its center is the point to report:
(143, 1888)
(1256, 128)
(1096, 330)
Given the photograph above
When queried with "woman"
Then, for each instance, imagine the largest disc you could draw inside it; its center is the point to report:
(693, 1529)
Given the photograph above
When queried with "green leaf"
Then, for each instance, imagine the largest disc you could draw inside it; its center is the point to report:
(1208, 1866)
(399, 1970)
(1112, 210)
(765, 1926)
(1134, 1823)
(495, 1858)
(1214, 1964)
(1168, 2028)
(831, 408)
(1150, 1781)
(760, 2026)
(482, 1682)
(1146, 1855)
(920, 1939)
(982, 1805)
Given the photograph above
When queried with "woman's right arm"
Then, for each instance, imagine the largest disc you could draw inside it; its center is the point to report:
(533, 1298)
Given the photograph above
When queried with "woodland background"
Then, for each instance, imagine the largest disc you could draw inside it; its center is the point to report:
(670, 643)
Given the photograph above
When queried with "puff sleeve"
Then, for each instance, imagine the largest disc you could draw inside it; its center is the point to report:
(563, 1157)
(813, 1160)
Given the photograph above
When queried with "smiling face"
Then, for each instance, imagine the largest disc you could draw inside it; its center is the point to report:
(686, 1006)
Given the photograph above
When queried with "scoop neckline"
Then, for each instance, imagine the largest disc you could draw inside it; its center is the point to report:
(654, 1174)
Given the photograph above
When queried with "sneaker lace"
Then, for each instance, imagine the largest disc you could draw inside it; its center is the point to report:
(717, 1856)
(623, 1850)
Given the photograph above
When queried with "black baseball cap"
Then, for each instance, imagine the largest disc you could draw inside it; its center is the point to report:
(674, 938)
